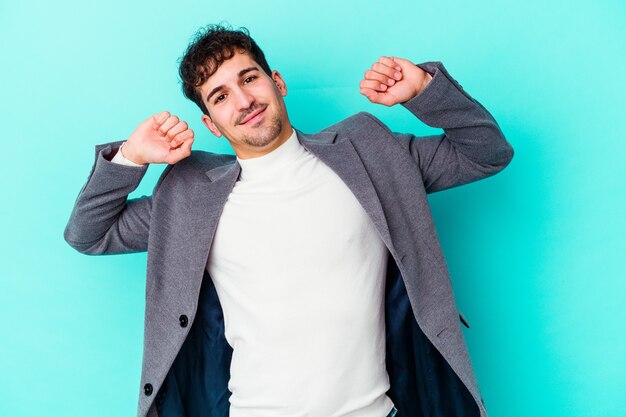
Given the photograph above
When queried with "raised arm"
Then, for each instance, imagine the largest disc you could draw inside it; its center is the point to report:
(103, 220)
(472, 146)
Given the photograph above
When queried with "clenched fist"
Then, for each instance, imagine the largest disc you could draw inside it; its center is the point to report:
(393, 80)
(161, 138)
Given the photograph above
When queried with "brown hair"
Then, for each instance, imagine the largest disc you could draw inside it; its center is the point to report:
(209, 47)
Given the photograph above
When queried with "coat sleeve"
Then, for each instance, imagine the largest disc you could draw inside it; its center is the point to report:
(472, 146)
(104, 221)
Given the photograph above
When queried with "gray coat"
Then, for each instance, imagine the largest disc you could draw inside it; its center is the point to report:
(186, 358)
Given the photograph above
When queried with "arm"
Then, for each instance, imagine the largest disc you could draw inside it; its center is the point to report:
(472, 146)
(104, 220)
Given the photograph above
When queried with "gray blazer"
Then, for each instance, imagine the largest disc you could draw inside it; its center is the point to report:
(186, 359)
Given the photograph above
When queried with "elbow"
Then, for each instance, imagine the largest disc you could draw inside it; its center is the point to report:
(76, 244)
(86, 248)
(502, 153)
(507, 154)
(497, 158)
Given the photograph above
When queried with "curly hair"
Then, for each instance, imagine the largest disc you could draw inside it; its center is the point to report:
(209, 48)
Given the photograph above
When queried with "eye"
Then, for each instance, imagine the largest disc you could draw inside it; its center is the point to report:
(249, 79)
(220, 98)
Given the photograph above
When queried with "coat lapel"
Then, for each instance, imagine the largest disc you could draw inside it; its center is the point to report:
(343, 159)
(203, 208)
(222, 180)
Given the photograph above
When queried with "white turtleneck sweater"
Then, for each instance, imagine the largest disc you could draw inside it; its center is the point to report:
(299, 270)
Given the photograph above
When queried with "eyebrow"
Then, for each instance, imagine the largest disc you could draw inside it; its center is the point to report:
(240, 74)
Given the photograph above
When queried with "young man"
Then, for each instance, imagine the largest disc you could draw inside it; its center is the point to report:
(302, 276)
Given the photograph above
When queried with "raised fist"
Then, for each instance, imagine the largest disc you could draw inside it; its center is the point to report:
(393, 80)
(162, 138)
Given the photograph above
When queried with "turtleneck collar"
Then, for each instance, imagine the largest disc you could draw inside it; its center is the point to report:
(272, 162)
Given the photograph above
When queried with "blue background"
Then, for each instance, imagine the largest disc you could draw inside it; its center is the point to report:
(536, 253)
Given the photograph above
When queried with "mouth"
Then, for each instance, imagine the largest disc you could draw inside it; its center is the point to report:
(254, 116)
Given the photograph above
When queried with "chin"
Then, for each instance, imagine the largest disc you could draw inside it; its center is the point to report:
(266, 136)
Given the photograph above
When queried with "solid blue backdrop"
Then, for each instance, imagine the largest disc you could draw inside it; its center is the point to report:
(536, 253)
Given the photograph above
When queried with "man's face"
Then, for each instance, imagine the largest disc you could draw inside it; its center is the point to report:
(246, 105)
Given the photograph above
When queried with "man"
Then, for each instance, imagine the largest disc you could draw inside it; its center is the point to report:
(303, 276)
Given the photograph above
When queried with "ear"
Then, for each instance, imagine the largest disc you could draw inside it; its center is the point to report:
(210, 125)
(280, 83)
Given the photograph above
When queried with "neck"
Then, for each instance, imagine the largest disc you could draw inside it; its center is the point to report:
(272, 163)
(256, 151)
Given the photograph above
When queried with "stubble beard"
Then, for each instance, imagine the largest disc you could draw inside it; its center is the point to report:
(265, 135)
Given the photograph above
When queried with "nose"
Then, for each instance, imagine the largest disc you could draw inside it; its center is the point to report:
(243, 99)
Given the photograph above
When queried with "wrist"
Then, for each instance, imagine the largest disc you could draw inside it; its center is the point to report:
(128, 153)
(425, 81)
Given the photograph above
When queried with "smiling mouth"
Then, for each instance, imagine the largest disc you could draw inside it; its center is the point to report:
(254, 116)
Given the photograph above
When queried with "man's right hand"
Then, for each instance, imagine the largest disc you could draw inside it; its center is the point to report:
(161, 138)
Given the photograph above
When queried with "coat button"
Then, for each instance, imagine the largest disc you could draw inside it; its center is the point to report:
(183, 321)
(147, 389)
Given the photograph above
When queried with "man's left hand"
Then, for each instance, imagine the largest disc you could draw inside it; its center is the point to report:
(393, 80)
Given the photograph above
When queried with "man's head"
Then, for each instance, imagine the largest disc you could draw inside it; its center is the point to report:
(225, 73)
